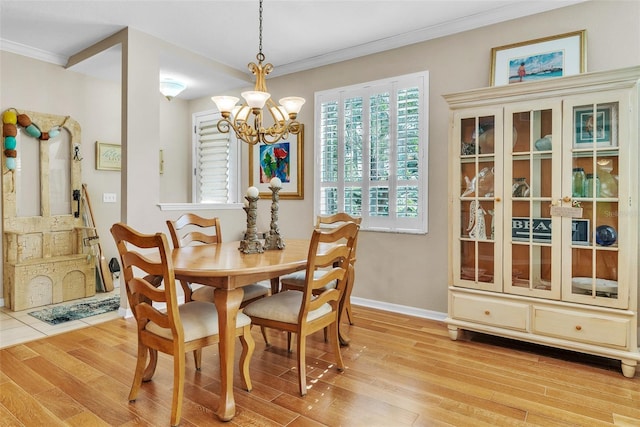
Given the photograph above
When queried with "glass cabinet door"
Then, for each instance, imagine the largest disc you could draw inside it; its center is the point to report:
(477, 202)
(593, 150)
(533, 171)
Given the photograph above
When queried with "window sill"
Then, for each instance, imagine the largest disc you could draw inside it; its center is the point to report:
(198, 206)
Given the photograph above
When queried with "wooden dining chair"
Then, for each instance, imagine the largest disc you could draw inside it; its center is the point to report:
(300, 311)
(295, 281)
(173, 329)
(192, 229)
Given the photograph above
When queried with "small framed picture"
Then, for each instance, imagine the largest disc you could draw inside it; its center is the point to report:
(555, 56)
(283, 160)
(108, 156)
(594, 126)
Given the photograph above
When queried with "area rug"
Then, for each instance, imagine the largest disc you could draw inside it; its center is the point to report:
(77, 310)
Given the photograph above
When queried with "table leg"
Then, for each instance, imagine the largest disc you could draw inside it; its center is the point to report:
(227, 302)
(275, 285)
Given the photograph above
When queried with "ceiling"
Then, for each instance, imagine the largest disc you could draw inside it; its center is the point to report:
(297, 35)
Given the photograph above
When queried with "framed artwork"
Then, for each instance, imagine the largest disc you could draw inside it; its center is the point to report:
(108, 156)
(594, 126)
(283, 160)
(555, 56)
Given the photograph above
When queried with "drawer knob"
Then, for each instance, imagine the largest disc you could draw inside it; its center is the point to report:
(578, 328)
(487, 312)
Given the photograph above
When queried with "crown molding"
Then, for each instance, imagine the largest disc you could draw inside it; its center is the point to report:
(486, 18)
(31, 52)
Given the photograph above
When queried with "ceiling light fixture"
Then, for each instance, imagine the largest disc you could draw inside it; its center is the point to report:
(236, 117)
(171, 88)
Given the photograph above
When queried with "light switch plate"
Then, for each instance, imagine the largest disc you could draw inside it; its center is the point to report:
(109, 197)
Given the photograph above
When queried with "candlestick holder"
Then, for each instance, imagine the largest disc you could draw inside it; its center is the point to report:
(273, 239)
(250, 244)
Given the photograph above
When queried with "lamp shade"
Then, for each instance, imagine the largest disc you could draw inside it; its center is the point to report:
(171, 88)
(279, 113)
(241, 112)
(255, 99)
(225, 103)
(293, 104)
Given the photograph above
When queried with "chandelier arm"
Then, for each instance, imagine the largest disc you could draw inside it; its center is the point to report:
(242, 131)
(270, 139)
(246, 133)
(224, 126)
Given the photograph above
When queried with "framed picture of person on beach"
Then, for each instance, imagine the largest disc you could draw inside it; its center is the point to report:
(555, 56)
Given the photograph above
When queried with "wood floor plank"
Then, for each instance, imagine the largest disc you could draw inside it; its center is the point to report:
(65, 361)
(25, 407)
(22, 375)
(21, 352)
(81, 392)
(7, 419)
(60, 404)
(400, 371)
(86, 419)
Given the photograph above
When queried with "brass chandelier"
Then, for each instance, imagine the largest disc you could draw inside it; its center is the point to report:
(237, 117)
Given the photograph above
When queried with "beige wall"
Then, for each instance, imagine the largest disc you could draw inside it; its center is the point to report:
(411, 270)
(29, 84)
(408, 270)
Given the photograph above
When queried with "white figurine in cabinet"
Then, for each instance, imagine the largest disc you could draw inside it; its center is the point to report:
(477, 228)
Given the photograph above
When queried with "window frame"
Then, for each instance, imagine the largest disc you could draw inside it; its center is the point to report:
(393, 85)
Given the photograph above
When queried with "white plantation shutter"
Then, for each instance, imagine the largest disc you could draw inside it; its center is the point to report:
(215, 156)
(371, 153)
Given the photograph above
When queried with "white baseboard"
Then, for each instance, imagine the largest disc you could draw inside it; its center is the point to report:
(400, 309)
(386, 306)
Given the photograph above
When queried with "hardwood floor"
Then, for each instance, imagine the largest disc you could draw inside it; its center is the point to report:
(401, 371)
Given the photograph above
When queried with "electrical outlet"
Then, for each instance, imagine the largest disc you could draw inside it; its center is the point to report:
(109, 197)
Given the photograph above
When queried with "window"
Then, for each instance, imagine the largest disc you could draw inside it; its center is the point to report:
(371, 153)
(216, 168)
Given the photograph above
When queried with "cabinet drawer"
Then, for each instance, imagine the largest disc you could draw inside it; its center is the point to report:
(591, 328)
(504, 314)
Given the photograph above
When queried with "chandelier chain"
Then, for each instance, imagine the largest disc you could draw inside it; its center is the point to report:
(260, 56)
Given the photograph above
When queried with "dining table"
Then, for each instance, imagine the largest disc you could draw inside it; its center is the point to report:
(228, 269)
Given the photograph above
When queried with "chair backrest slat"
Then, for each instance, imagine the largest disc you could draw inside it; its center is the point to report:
(337, 219)
(191, 228)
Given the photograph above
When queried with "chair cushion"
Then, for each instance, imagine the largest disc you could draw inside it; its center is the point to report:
(199, 319)
(283, 307)
(205, 293)
(254, 291)
(298, 278)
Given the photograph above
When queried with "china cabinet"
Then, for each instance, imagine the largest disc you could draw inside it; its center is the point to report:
(543, 205)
